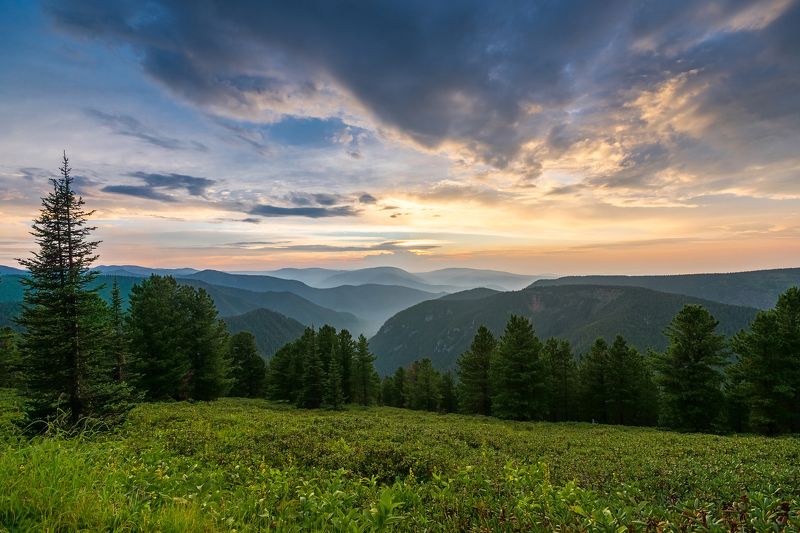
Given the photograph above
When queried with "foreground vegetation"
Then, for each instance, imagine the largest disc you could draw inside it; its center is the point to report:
(244, 465)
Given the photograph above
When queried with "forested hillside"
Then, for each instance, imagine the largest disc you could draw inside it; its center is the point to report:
(442, 329)
(270, 329)
(759, 288)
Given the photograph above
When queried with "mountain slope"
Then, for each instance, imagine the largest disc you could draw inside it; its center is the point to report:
(373, 304)
(759, 288)
(469, 278)
(271, 330)
(384, 276)
(228, 300)
(442, 329)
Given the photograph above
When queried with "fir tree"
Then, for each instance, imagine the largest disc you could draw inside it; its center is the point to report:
(207, 339)
(516, 373)
(593, 382)
(118, 337)
(346, 348)
(247, 367)
(333, 397)
(64, 345)
(422, 386)
(690, 371)
(768, 367)
(10, 362)
(313, 376)
(448, 402)
(473, 373)
(364, 377)
(561, 380)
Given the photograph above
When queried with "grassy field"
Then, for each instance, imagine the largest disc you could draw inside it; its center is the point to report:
(250, 465)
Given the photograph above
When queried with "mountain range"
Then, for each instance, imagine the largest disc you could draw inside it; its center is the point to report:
(442, 329)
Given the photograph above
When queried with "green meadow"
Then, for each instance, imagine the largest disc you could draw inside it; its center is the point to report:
(247, 465)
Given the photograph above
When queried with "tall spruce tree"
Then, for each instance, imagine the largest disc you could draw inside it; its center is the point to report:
(473, 373)
(118, 338)
(690, 371)
(561, 380)
(156, 324)
(247, 366)
(516, 373)
(207, 339)
(448, 400)
(333, 396)
(313, 380)
(346, 348)
(593, 375)
(422, 386)
(10, 362)
(768, 367)
(364, 379)
(64, 345)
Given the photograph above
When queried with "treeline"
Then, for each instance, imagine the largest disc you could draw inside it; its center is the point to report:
(702, 382)
(323, 368)
(78, 358)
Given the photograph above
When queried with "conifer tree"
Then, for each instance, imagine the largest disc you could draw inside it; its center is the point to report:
(118, 337)
(333, 397)
(313, 376)
(422, 386)
(473, 373)
(447, 392)
(346, 349)
(207, 339)
(156, 326)
(561, 380)
(768, 367)
(516, 373)
(364, 378)
(247, 367)
(10, 362)
(593, 382)
(690, 371)
(65, 358)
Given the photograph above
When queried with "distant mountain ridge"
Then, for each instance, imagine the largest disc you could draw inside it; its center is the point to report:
(271, 330)
(443, 329)
(757, 288)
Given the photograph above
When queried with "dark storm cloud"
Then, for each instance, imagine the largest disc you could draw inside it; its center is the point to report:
(131, 127)
(490, 76)
(308, 212)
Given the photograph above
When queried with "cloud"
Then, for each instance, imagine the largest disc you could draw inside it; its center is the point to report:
(194, 186)
(309, 212)
(303, 199)
(155, 184)
(131, 127)
(386, 246)
(367, 198)
(521, 87)
(139, 191)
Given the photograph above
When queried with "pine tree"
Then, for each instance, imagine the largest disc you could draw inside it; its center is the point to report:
(247, 367)
(473, 373)
(207, 339)
(422, 382)
(448, 402)
(346, 348)
(561, 380)
(66, 363)
(10, 362)
(516, 373)
(768, 367)
(118, 337)
(690, 371)
(313, 376)
(333, 397)
(157, 328)
(593, 382)
(364, 378)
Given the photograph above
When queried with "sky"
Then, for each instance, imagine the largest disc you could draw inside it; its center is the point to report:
(566, 137)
